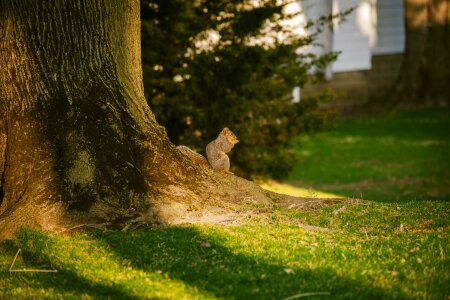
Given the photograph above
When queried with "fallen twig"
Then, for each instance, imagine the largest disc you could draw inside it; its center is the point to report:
(98, 226)
(307, 295)
(71, 228)
(27, 270)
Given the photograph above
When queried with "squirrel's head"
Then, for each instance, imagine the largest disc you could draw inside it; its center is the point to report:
(231, 137)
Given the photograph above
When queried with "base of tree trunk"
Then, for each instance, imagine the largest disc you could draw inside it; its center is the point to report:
(224, 199)
(78, 142)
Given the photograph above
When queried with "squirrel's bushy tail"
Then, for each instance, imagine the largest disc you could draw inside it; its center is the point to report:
(194, 156)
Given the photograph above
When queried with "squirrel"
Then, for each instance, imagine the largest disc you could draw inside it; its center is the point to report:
(215, 152)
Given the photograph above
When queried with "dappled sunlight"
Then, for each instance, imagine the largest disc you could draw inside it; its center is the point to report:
(421, 14)
(366, 21)
(296, 191)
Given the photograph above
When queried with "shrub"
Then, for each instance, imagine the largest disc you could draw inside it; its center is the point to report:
(241, 79)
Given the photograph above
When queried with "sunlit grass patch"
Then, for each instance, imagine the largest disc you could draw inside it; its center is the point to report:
(296, 191)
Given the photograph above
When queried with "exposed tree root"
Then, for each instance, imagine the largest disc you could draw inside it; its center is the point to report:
(223, 199)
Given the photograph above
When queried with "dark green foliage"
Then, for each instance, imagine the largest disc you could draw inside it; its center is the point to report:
(233, 83)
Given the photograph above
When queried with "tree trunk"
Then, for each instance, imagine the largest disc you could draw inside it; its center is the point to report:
(78, 142)
(425, 75)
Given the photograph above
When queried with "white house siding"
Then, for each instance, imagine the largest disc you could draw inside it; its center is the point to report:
(375, 27)
(354, 36)
(372, 43)
(313, 10)
(390, 27)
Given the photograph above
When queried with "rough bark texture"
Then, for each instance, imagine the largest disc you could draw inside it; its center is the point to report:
(425, 74)
(78, 142)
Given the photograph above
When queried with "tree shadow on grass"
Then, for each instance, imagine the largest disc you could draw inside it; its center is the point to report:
(64, 283)
(184, 254)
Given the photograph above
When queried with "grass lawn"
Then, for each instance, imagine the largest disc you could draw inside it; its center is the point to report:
(394, 244)
(397, 158)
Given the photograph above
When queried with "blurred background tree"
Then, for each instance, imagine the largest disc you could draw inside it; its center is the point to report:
(425, 74)
(214, 64)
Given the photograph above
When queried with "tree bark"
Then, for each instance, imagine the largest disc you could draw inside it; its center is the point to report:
(78, 142)
(425, 74)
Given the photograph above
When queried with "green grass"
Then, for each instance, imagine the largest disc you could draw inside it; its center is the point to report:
(401, 157)
(362, 256)
(396, 247)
